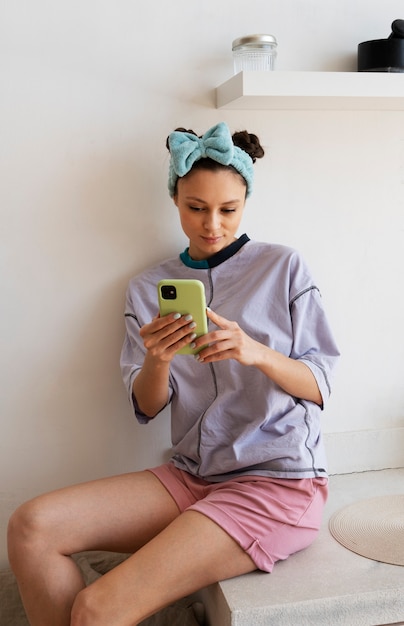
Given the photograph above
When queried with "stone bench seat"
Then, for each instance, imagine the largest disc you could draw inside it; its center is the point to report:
(324, 585)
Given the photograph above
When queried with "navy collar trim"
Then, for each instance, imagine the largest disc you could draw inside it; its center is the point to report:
(217, 258)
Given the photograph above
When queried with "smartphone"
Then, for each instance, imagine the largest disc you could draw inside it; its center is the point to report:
(185, 296)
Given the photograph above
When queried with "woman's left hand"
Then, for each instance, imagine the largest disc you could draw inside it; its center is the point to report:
(229, 342)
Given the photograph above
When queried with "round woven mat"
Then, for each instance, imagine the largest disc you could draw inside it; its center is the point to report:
(373, 528)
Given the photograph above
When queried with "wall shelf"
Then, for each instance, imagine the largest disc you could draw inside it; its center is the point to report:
(313, 91)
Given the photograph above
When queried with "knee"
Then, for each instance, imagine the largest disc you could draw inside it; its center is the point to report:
(95, 605)
(78, 614)
(27, 526)
(86, 609)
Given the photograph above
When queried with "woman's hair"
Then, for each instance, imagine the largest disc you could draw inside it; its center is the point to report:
(242, 139)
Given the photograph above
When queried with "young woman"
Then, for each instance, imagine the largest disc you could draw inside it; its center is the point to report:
(247, 480)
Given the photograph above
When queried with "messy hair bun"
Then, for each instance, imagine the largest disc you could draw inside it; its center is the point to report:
(249, 143)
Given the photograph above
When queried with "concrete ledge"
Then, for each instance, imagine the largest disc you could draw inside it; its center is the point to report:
(325, 585)
(365, 450)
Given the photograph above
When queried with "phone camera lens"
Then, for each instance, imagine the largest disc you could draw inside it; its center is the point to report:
(168, 292)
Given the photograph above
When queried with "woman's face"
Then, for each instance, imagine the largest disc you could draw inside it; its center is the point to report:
(210, 205)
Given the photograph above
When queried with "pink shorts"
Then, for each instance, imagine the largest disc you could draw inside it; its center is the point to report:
(270, 518)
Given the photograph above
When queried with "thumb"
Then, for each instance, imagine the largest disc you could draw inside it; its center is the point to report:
(220, 321)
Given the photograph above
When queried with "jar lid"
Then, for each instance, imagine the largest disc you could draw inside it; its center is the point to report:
(254, 40)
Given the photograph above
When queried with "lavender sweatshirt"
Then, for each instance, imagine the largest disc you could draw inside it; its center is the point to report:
(229, 419)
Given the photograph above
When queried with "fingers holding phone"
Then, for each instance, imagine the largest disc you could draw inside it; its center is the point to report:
(165, 335)
(228, 342)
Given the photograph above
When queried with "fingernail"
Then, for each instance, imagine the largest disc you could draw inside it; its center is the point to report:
(192, 337)
(192, 345)
(192, 325)
(188, 318)
(176, 316)
(198, 358)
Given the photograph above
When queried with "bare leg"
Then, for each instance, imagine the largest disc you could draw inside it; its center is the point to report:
(189, 554)
(118, 514)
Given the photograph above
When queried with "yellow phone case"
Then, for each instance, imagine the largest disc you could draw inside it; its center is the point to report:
(185, 296)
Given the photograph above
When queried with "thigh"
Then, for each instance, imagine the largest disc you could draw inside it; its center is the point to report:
(191, 553)
(119, 513)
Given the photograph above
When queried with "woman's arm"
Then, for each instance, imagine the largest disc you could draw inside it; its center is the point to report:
(150, 387)
(161, 338)
(231, 342)
(294, 377)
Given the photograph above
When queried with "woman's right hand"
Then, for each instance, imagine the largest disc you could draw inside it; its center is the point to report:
(164, 336)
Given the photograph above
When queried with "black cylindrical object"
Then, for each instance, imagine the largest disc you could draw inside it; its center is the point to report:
(383, 55)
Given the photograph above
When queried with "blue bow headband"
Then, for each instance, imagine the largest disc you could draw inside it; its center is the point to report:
(216, 144)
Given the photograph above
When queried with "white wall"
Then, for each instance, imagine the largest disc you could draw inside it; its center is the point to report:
(89, 91)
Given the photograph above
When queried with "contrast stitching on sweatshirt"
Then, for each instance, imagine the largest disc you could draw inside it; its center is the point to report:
(313, 287)
(133, 317)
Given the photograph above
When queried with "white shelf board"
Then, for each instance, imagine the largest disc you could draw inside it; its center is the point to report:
(313, 90)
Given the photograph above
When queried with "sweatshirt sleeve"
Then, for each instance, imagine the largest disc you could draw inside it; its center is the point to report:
(313, 341)
(132, 355)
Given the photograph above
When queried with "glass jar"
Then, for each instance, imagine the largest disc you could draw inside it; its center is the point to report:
(254, 53)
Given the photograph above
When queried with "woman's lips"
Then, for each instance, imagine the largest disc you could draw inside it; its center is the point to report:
(211, 240)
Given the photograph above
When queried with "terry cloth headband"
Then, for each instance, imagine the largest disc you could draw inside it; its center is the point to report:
(215, 144)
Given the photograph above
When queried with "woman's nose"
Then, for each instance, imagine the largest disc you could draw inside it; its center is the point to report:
(212, 221)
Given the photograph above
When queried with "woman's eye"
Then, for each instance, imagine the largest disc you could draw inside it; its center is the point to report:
(199, 209)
